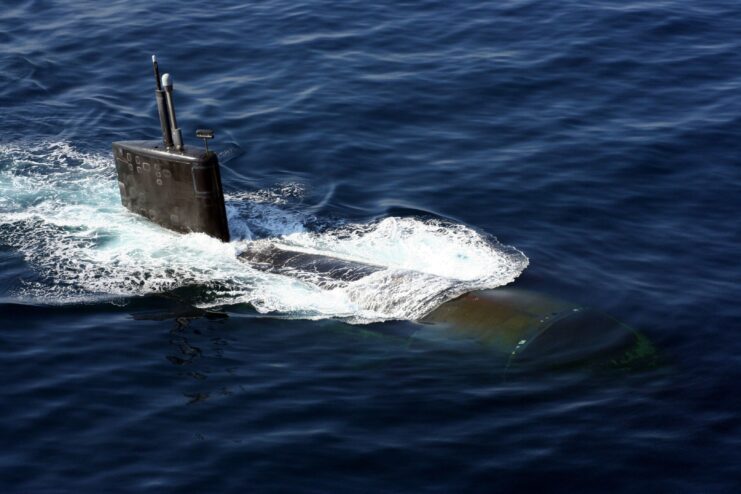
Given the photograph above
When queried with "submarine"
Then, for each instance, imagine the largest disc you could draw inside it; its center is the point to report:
(179, 187)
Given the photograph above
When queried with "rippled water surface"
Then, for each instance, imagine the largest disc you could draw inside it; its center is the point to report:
(588, 151)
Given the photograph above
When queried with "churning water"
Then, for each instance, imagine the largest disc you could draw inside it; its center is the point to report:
(62, 211)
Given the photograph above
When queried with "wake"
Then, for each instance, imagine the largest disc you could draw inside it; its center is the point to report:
(60, 209)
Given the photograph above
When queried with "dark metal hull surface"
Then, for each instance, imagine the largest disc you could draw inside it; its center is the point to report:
(179, 191)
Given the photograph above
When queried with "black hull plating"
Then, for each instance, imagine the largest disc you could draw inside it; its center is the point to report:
(179, 191)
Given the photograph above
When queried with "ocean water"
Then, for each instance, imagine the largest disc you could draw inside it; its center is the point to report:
(587, 151)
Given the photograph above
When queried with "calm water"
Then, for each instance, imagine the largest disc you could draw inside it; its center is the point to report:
(599, 139)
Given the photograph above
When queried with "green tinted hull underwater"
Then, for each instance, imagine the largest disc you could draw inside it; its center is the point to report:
(520, 327)
(531, 329)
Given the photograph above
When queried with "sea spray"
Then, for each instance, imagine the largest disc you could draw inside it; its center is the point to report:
(60, 209)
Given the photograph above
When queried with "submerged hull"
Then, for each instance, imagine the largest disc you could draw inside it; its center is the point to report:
(522, 327)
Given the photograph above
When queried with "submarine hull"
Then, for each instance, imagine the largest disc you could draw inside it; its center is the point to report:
(523, 327)
(536, 330)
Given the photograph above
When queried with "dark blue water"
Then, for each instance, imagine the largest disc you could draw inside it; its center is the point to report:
(600, 139)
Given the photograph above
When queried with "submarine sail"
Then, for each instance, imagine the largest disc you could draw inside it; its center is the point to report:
(169, 183)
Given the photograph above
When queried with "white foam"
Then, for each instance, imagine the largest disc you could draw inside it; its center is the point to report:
(60, 209)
